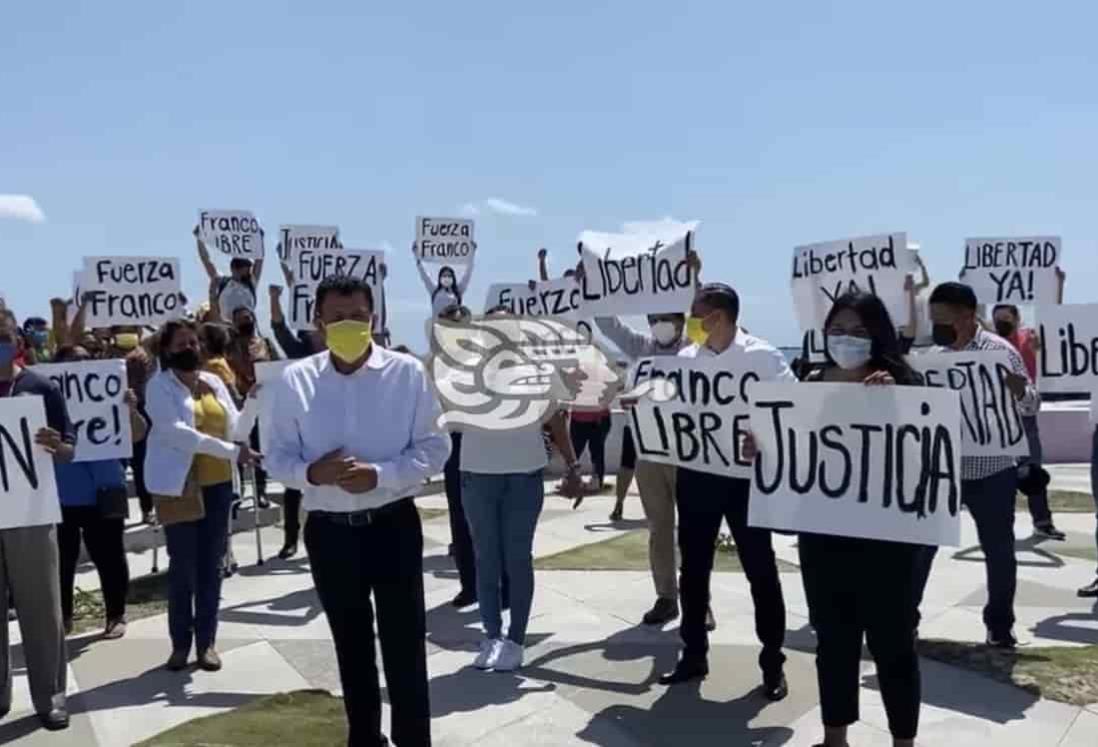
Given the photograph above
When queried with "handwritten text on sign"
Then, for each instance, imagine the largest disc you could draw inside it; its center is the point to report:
(632, 274)
(94, 392)
(232, 233)
(311, 267)
(703, 426)
(560, 298)
(28, 488)
(131, 290)
(855, 461)
(448, 241)
(1068, 359)
(292, 239)
(1014, 271)
(990, 422)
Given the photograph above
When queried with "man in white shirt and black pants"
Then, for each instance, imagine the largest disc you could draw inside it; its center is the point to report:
(356, 429)
(705, 501)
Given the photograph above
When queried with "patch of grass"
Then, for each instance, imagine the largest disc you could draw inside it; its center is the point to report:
(305, 718)
(426, 514)
(1062, 673)
(148, 596)
(1062, 502)
(629, 552)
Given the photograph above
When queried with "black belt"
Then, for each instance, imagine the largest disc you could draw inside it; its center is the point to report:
(364, 517)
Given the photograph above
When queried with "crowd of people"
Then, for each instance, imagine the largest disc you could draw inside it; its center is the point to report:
(356, 432)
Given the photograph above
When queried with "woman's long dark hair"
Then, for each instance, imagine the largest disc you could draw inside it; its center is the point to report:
(167, 332)
(886, 353)
(453, 288)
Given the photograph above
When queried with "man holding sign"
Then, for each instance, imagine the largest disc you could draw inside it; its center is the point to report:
(705, 500)
(990, 483)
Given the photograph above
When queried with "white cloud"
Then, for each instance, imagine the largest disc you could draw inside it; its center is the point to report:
(666, 226)
(497, 206)
(21, 207)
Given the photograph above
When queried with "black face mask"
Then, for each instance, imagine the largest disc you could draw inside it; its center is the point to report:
(1004, 328)
(944, 335)
(247, 329)
(185, 361)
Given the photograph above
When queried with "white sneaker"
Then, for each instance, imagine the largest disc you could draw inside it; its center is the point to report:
(509, 658)
(489, 652)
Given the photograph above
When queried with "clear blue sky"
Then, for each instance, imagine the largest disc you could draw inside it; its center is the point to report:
(773, 124)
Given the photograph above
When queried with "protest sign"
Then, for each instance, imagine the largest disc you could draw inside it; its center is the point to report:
(560, 298)
(292, 239)
(627, 274)
(231, 233)
(267, 376)
(311, 266)
(131, 290)
(95, 392)
(854, 461)
(822, 272)
(447, 241)
(703, 425)
(28, 488)
(991, 425)
(1068, 359)
(1012, 271)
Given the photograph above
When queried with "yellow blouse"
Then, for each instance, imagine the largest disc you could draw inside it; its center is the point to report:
(209, 418)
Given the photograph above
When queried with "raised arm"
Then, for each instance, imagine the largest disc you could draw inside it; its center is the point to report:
(467, 276)
(910, 329)
(257, 266)
(629, 341)
(76, 329)
(428, 282)
(59, 320)
(543, 264)
(204, 256)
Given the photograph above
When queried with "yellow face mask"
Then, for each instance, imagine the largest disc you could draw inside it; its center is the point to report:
(126, 340)
(694, 330)
(349, 339)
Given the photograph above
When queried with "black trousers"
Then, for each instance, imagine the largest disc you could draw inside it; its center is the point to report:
(857, 587)
(291, 516)
(260, 473)
(137, 464)
(384, 558)
(103, 538)
(704, 501)
(464, 556)
(594, 433)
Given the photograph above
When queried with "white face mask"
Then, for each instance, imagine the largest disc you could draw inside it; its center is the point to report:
(849, 352)
(665, 333)
(446, 281)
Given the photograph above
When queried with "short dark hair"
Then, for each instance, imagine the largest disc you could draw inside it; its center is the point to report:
(239, 262)
(720, 296)
(499, 308)
(1007, 307)
(954, 294)
(167, 334)
(216, 338)
(342, 285)
(65, 353)
(34, 321)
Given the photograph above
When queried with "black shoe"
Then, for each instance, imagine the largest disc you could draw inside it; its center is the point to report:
(464, 599)
(1090, 590)
(1005, 641)
(710, 620)
(4, 712)
(263, 501)
(288, 551)
(775, 689)
(685, 671)
(55, 720)
(663, 611)
(1049, 531)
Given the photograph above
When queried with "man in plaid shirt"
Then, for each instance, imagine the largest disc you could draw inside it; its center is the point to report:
(989, 484)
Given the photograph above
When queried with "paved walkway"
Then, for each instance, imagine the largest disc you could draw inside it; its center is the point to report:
(591, 674)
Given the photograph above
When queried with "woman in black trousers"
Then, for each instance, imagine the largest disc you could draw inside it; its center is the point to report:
(861, 587)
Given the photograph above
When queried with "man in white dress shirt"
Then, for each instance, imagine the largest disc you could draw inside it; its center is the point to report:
(356, 429)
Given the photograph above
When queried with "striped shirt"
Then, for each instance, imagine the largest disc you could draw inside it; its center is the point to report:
(977, 468)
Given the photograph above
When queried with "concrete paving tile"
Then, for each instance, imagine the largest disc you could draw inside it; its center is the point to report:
(956, 624)
(101, 663)
(314, 660)
(807, 731)
(23, 727)
(561, 725)
(1082, 733)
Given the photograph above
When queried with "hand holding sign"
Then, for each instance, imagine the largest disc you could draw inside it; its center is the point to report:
(50, 440)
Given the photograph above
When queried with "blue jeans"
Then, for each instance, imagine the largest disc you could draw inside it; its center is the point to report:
(502, 511)
(1094, 478)
(195, 549)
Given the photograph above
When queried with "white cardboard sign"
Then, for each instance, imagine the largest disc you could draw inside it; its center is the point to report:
(855, 461)
(628, 274)
(447, 241)
(560, 298)
(310, 267)
(1013, 271)
(1068, 359)
(231, 233)
(991, 425)
(28, 488)
(292, 239)
(131, 290)
(95, 393)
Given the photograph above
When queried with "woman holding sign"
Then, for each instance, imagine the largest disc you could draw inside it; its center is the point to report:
(861, 587)
(446, 291)
(195, 439)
